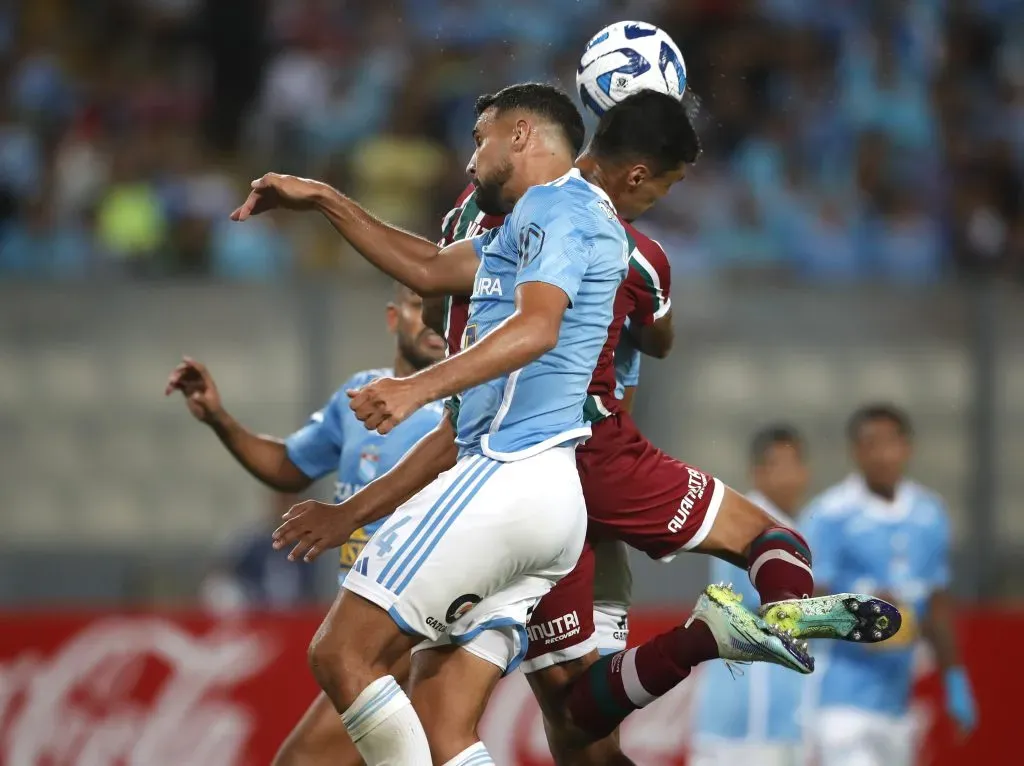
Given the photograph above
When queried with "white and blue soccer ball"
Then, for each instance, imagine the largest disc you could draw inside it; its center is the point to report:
(627, 57)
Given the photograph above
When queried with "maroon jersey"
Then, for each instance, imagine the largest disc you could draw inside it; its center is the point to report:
(643, 296)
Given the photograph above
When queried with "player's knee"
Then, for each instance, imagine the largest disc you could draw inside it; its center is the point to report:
(339, 671)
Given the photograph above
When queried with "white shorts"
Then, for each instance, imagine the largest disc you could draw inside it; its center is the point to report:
(613, 593)
(853, 737)
(475, 550)
(727, 753)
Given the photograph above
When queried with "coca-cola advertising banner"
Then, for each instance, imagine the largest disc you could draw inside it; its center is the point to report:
(123, 689)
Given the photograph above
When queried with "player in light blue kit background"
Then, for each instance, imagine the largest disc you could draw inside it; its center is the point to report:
(756, 714)
(333, 440)
(882, 532)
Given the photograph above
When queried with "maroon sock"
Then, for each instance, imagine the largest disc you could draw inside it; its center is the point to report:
(779, 565)
(615, 686)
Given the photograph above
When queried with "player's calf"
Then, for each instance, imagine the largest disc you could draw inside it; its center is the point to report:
(616, 685)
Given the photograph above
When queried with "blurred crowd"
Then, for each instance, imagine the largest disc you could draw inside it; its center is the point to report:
(880, 140)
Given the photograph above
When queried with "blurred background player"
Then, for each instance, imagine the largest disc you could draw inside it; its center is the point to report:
(332, 441)
(755, 715)
(881, 531)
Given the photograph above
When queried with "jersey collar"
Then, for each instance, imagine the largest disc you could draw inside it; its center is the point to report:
(575, 173)
(878, 507)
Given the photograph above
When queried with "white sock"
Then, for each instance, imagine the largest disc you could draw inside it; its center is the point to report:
(474, 755)
(385, 728)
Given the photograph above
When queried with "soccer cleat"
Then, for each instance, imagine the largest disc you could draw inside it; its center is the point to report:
(841, 616)
(742, 636)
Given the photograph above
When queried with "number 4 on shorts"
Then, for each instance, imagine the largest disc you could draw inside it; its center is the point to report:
(388, 537)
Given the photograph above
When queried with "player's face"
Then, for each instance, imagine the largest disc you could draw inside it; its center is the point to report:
(636, 190)
(881, 453)
(782, 476)
(490, 167)
(418, 344)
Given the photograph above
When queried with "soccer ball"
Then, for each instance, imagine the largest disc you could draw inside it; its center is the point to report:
(627, 57)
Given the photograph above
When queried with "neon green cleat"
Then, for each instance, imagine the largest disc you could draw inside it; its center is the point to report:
(841, 616)
(742, 636)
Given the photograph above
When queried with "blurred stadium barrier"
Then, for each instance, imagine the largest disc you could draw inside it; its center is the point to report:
(165, 689)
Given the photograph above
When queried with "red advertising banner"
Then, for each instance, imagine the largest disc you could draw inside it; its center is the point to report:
(120, 689)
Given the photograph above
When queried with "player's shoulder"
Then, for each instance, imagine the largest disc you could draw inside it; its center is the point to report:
(927, 505)
(570, 195)
(837, 502)
(649, 248)
(362, 378)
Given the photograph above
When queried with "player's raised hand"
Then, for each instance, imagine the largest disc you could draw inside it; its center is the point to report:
(385, 403)
(275, 190)
(314, 527)
(196, 384)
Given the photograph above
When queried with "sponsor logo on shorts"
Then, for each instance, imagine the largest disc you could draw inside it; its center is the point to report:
(460, 606)
(553, 631)
(437, 625)
(698, 483)
(621, 632)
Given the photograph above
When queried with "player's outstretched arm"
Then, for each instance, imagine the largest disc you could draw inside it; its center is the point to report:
(530, 332)
(264, 457)
(314, 527)
(939, 629)
(414, 261)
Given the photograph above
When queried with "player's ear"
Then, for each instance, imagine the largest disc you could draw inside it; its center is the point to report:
(520, 135)
(392, 318)
(637, 175)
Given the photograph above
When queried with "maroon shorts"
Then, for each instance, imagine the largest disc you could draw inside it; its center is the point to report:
(635, 493)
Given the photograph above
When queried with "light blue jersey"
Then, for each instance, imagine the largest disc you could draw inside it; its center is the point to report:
(865, 544)
(335, 440)
(764, 703)
(627, 363)
(564, 234)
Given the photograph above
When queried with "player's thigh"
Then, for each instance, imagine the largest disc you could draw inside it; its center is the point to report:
(561, 626)
(640, 495)
(450, 687)
(478, 549)
(738, 523)
(320, 738)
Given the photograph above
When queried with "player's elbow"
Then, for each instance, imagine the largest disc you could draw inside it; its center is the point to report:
(427, 281)
(657, 340)
(542, 335)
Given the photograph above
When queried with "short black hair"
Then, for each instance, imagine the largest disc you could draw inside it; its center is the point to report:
(651, 127)
(878, 411)
(547, 101)
(769, 436)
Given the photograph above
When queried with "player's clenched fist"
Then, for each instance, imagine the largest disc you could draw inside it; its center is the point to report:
(385, 403)
(315, 527)
(278, 191)
(196, 384)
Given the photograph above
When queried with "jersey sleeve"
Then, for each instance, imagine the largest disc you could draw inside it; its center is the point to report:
(821, 529)
(936, 560)
(316, 447)
(551, 248)
(650, 269)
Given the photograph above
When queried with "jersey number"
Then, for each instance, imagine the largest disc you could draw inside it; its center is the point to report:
(469, 336)
(387, 539)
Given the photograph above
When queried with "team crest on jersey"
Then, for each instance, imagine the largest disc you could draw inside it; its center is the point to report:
(369, 462)
(531, 240)
(461, 606)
